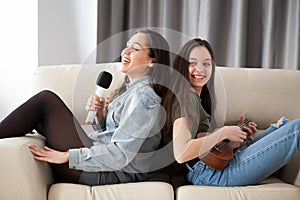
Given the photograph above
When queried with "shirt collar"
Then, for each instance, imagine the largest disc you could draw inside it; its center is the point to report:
(143, 80)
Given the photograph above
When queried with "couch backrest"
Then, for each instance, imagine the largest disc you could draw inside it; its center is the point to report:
(263, 95)
(75, 83)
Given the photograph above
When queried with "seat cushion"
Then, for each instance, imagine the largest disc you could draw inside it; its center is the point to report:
(267, 190)
(134, 191)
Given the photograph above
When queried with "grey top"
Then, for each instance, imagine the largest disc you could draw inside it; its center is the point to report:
(132, 133)
(194, 101)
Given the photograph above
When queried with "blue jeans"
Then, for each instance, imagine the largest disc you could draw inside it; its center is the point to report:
(268, 152)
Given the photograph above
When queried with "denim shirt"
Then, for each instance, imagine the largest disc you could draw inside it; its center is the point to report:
(132, 133)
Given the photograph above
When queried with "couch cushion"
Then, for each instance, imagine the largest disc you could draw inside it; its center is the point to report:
(274, 191)
(132, 191)
(62, 191)
(21, 176)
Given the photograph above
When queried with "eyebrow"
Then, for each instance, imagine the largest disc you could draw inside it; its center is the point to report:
(134, 43)
(205, 59)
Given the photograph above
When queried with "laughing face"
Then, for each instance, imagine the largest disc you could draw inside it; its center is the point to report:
(200, 67)
(136, 62)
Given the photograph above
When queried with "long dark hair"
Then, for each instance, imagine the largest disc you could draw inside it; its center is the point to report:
(181, 87)
(159, 50)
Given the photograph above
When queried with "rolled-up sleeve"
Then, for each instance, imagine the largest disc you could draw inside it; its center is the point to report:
(139, 116)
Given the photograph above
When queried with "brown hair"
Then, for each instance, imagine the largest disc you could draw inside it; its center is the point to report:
(181, 87)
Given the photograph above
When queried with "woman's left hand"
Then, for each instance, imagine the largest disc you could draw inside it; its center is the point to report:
(47, 154)
(250, 129)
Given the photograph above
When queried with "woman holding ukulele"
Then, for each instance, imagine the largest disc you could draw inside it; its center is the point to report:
(194, 136)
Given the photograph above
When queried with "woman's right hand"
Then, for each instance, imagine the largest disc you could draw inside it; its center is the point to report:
(95, 103)
(233, 133)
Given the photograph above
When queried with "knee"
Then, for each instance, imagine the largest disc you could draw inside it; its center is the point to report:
(46, 95)
(295, 124)
(296, 121)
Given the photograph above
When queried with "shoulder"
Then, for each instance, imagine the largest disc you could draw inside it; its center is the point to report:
(147, 96)
(189, 105)
(193, 98)
(190, 100)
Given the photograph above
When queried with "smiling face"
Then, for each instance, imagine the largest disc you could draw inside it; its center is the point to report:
(200, 67)
(136, 61)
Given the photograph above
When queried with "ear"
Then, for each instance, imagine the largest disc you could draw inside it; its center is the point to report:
(152, 63)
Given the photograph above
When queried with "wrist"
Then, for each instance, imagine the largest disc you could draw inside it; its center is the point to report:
(222, 134)
(67, 155)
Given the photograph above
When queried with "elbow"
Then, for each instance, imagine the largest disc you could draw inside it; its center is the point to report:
(185, 155)
(180, 158)
(180, 161)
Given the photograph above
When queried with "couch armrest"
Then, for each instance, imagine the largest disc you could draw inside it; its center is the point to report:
(290, 173)
(21, 176)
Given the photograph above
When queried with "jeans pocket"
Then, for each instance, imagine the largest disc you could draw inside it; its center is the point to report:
(200, 174)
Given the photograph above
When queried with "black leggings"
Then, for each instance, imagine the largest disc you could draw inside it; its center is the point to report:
(48, 115)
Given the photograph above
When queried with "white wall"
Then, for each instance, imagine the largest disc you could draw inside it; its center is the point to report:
(67, 31)
(18, 51)
(41, 32)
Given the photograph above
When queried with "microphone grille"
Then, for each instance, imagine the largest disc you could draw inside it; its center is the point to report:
(104, 79)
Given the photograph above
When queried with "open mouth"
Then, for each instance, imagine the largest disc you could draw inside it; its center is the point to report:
(199, 76)
(125, 60)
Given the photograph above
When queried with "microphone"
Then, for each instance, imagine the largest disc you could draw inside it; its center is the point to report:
(103, 82)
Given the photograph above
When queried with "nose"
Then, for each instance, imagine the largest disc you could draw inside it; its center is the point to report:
(124, 51)
(199, 67)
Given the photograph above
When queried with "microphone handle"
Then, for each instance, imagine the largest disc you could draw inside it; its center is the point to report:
(92, 114)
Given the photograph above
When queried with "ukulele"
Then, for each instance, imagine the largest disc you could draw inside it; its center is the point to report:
(219, 156)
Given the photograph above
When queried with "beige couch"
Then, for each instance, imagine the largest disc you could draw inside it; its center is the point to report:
(261, 94)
